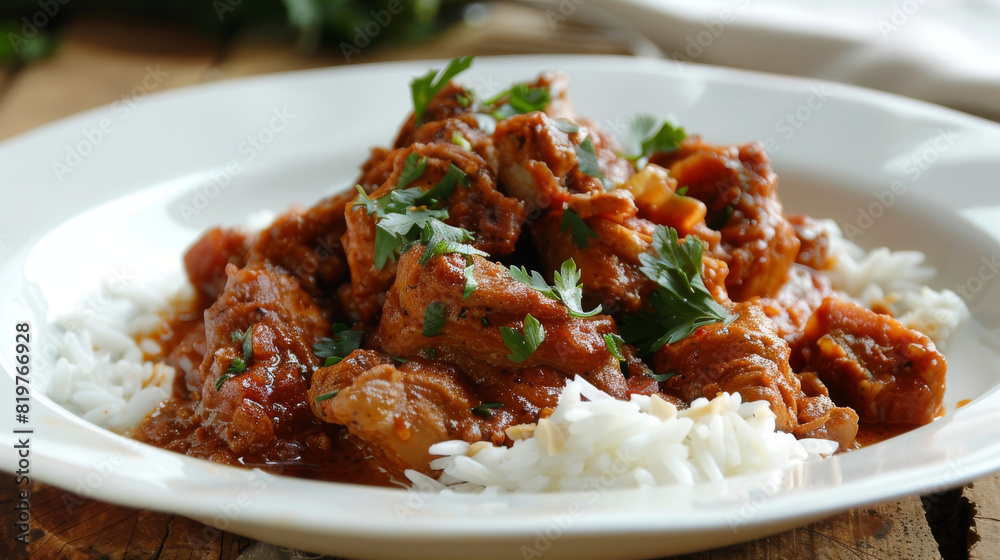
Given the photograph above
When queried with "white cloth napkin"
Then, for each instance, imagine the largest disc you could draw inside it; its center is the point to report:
(946, 52)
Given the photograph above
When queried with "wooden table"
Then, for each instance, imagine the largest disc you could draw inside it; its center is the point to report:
(102, 61)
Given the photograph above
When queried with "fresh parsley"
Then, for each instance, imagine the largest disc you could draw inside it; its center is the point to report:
(405, 216)
(522, 345)
(343, 342)
(238, 365)
(327, 396)
(413, 169)
(470, 281)
(424, 89)
(722, 218)
(485, 410)
(648, 136)
(519, 99)
(587, 159)
(434, 319)
(661, 377)
(566, 126)
(614, 344)
(460, 141)
(682, 303)
(578, 229)
(566, 287)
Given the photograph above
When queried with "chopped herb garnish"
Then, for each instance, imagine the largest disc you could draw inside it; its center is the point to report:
(614, 344)
(660, 378)
(485, 410)
(578, 229)
(519, 99)
(405, 216)
(648, 136)
(441, 192)
(434, 319)
(682, 303)
(327, 396)
(587, 159)
(682, 191)
(565, 288)
(522, 345)
(430, 352)
(399, 359)
(440, 238)
(722, 219)
(424, 89)
(566, 126)
(460, 141)
(463, 100)
(413, 169)
(238, 365)
(486, 321)
(470, 281)
(343, 342)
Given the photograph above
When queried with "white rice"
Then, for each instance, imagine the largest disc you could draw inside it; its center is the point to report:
(100, 371)
(897, 281)
(592, 439)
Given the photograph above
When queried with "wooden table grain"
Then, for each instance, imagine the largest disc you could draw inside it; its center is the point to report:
(102, 61)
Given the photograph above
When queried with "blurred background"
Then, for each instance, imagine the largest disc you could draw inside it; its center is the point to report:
(58, 57)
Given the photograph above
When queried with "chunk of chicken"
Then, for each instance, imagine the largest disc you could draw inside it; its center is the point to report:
(746, 357)
(400, 408)
(797, 299)
(739, 188)
(307, 245)
(540, 166)
(471, 336)
(873, 364)
(495, 220)
(268, 400)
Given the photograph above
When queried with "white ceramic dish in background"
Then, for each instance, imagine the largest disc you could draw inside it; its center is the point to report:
(124, 212)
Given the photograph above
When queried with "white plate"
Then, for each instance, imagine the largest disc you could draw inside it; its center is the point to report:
(119, 212)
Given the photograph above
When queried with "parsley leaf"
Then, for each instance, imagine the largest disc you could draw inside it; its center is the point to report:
(566, 126)
(648, 136)
(614, 344)
(682, 303)
(327, 396)
(404, 216)
(519, 99)
(470, 281)
(441, 192)
(485, 410)
(441, 238)
(660, 378)
(413, 169)
(578, 229)
(566, 286)
(434, 319)
(238, 365)
(425, 88)
(523, 345)
(587, 159)
(334, 349)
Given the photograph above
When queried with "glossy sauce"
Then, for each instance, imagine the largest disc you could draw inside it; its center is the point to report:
(320, 451)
